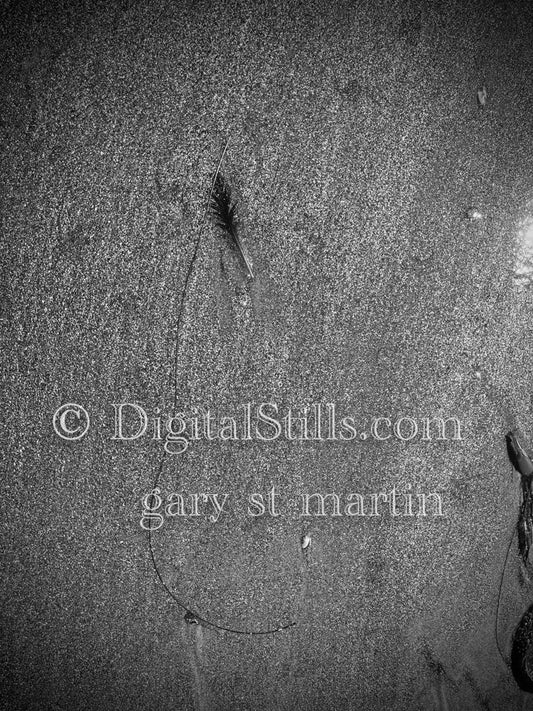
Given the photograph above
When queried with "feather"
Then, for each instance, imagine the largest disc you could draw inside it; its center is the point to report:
(224, 213)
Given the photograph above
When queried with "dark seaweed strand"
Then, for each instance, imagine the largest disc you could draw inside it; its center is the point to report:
(502, 576)
(525, 520)
(523, 546)
(500, 588)
(521, 646)
(189, 614)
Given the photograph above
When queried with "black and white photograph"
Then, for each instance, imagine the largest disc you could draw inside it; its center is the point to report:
(266, 313)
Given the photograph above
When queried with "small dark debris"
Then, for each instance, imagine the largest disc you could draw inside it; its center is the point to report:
(190, 618)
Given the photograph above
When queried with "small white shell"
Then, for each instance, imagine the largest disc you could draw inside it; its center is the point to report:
(473, 214)
(306, 540)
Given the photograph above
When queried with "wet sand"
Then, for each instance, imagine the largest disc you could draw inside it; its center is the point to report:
(356, 149)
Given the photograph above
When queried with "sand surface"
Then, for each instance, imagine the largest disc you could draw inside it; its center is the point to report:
(382, 208)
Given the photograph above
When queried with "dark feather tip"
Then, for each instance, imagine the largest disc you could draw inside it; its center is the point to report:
(224, 213)
(223, 210)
